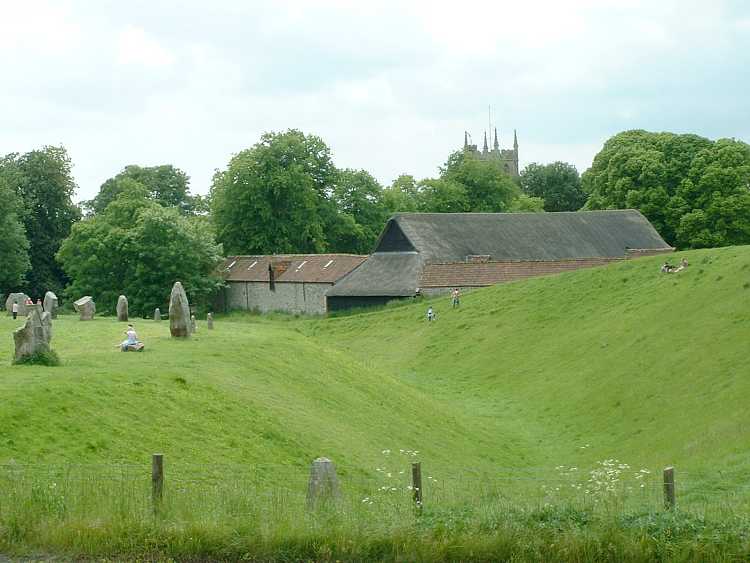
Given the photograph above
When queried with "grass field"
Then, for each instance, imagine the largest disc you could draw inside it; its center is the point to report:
(510, 401)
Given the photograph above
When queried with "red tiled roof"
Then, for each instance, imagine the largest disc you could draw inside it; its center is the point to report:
(480, 274)
(292, 268)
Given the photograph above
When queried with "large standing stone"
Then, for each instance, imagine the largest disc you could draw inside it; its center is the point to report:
(157, 314)
(324, 483)
(210, 321)
(51, 304)
(19, 298)
(34, 336)
(122, 308)
(179, 312)
(85, 307)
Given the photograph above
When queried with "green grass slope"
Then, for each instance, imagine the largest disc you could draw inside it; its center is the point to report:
(615, 362)
(244, 394)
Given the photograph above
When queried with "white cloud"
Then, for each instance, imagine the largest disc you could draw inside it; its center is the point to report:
(135, 47)
(389, 85)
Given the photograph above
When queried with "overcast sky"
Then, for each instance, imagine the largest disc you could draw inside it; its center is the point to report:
(389, 86)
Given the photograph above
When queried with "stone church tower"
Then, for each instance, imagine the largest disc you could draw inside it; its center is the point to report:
(507, 157)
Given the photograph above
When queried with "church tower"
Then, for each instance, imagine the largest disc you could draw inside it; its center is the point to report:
(508, 158)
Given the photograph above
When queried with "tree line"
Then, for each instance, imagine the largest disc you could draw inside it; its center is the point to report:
(144, 228)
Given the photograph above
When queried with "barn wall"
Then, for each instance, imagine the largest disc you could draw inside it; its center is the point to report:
(340, 303)
(308, 298)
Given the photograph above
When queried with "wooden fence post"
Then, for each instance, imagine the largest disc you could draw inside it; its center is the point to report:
(416, 482)
(669, 496)
(157, 480)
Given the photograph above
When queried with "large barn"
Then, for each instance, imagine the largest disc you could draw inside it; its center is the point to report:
(290, 283)
(434, 252)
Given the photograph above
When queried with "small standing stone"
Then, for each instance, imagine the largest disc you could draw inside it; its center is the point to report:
(50, 304)
(34, 336)
(179, 312)
(324, 483)
(210, 321)
(157, 314)
(85, 307)
(122, 308)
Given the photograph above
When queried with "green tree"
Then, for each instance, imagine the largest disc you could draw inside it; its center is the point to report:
(14, 247)
(276, 196)
(488, 188)
(693, 190)
(44, 185)
(558, 184)
(440, 195)
(139, 248)
(166, 185)
(402, 195)
(358, 195)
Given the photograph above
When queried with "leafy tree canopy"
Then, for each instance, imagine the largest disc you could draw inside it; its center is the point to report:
(558, 184)
(276, 196)
(695, 192)
(402, 195)
(165, 184)
(139, 248)
(488, 187)
(44, 186)
(14, 246)
(360, 196)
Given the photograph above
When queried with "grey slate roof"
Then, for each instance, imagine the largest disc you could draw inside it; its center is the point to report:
(392, 274)
(412, 240)
(451, 237)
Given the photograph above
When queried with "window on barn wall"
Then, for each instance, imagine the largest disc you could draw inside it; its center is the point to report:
(231, 265)
(302, 264)
(251, 266)
(328, 264)
(271, 276)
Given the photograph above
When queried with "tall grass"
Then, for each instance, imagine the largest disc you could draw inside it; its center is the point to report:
(231, 513)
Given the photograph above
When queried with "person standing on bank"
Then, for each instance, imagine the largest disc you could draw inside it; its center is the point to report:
(14, 310)
(456, 297)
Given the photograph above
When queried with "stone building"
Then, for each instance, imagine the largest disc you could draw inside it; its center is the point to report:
(431, 253)
(290, 283)
(507, 157)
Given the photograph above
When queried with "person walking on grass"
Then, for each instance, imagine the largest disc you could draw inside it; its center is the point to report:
(430, 314)
(14, 310)
(456, 297)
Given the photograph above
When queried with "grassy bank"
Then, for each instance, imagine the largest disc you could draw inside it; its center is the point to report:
(519, 405)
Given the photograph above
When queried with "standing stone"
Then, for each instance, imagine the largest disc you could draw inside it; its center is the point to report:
(179, 312)
(157, 314)
(19, 298)
(34, 336)
(51, 304)
(193, 326)
(324, 483)
(122, 308)
(210, 321)
(85, 307)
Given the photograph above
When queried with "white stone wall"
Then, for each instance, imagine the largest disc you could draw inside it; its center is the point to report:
(308, 298)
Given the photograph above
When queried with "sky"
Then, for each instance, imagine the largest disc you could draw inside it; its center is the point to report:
(390, 86)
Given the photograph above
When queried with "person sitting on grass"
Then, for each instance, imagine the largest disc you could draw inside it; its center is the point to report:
(131, 340)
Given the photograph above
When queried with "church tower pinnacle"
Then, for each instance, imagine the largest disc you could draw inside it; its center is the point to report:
(484, 149)
(496, 145)
(515, 141)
